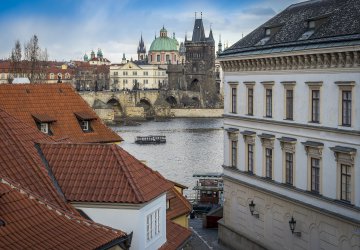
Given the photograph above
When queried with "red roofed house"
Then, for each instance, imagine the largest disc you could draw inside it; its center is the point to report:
(56, 110)
(113, 188)
(29, 222)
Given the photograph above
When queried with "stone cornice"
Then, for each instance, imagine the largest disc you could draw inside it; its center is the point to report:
(331, 60)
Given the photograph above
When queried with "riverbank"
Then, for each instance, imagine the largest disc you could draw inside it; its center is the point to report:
(138, 114)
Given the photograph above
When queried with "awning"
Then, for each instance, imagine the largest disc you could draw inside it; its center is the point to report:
(85, 116)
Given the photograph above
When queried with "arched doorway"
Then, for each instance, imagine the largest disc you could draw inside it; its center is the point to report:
(195, 85)
(172, 101)
(114, 104)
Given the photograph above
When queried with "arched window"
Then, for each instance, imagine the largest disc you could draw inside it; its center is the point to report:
(51, 75)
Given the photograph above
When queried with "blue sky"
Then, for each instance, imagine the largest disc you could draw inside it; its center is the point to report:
(69, 28)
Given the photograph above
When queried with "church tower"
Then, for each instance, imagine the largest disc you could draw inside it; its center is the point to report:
(141, 51)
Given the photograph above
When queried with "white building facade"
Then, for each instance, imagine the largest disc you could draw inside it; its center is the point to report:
(144, 76)
(292, 134)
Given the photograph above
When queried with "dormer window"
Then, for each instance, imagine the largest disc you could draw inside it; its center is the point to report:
(44, 123)
(311, 24)
(85, 120)
(267, 32)
(44, 127)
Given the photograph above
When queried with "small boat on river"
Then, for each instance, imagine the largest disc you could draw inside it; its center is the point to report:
(150, 139)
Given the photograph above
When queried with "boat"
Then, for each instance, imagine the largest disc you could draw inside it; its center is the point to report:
(150, 139)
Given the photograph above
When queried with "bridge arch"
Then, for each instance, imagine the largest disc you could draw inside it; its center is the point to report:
(172, 101)
(115, 105)
(148, 107)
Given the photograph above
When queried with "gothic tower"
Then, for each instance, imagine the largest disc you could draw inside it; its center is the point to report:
(200, 64)
(141, 51)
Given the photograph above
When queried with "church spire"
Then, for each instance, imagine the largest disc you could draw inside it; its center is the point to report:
(219, 46)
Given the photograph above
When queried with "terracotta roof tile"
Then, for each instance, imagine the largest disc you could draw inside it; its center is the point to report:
(176, 236)
(58, 101)
(19, 159)
(102, 173)
(31, 223)
(178, 204)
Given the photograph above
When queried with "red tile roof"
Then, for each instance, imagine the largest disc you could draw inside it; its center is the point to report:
(178, 204)
(31, 223)
(58, 101)
(176, 236)
(102, 173)
(19, 159)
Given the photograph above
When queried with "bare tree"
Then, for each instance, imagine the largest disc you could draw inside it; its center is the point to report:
(36, 60)
(15, 61)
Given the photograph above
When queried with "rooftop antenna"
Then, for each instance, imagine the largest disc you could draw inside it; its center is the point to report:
(201, 14)
(242, 35)
(195, 14)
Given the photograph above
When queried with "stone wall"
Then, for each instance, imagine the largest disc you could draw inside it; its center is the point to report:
(105, 114)
(196, 112)
(135, 112)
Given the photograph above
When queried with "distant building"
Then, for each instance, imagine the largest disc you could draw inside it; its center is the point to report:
(197, 73)
(292, 131)
(137, 75)
(141, 51)
(96, 60)
(91, 77)
(164, 50)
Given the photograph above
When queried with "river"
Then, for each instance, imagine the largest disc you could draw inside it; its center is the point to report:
(193, 145)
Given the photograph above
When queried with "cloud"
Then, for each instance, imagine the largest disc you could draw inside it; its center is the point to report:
(116, 28)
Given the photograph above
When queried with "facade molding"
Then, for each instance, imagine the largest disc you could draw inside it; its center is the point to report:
(293, 124)
(321, 60)
(324, 210)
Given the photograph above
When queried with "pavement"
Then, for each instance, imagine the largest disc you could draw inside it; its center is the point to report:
(203, 238)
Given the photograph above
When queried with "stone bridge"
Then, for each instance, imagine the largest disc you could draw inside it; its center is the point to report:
(139, 103)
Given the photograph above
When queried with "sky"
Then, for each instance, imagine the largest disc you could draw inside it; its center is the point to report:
(70, 28)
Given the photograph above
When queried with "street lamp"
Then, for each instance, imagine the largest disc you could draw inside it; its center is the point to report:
(252, 209)
(292, 224)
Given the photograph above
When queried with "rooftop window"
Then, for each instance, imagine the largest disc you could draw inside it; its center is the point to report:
(43, 122)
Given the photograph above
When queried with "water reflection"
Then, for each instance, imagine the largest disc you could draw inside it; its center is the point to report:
(192, 146)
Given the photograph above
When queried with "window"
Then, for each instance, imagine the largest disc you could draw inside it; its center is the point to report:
(289, 168)
(250, 158)
(315, 175)
(288, 146)
(315, 105)
(345, 183)
(268, 103)
(233, 99)
(168, 58)
(250, 101)
(289, 104)
(134, 73)
(153, 225)
(346, 108)
(44, 127)
(115, 73)
(234, 153)
(158, 58)
(345, 159)
(268, 162)
(52, 75)
(85, 126)
(145, 73)
(125, 73)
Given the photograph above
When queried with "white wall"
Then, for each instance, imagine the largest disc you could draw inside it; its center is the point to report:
(130, 219)
(329, 95)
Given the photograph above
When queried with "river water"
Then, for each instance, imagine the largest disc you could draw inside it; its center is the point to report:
(193, 145)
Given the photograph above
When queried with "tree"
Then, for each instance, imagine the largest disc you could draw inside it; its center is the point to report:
(36, 59)
(15, 61)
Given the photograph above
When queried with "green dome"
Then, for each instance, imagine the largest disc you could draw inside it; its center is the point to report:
(164, 44)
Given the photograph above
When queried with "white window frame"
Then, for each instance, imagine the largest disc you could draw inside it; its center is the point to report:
(153, 225)
(44, 127)
(85, 125)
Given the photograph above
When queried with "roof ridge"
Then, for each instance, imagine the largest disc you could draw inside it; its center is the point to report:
(125, 169)
(181, 196)
(49, 206)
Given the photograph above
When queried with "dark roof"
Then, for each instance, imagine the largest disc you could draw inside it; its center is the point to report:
(102, 173)
(340, 23)
(58, 101)
(198, 32)
(43, 118)
(32, 223)
(20, 162)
